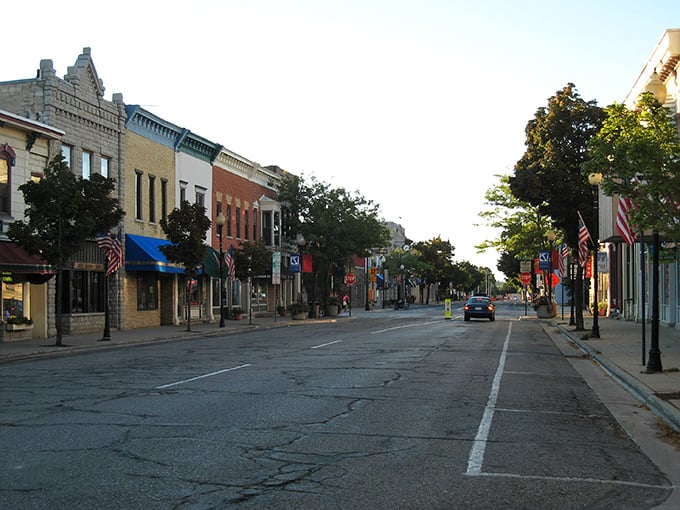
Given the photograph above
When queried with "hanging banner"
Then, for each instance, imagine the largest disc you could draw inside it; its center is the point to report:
(306, 262)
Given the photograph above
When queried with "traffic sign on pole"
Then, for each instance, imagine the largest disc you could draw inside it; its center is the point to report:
(350, 279)
(525, 278)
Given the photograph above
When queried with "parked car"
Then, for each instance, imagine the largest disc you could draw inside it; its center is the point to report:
(479, 307)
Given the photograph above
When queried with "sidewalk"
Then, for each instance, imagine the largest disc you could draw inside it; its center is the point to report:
(618, 350)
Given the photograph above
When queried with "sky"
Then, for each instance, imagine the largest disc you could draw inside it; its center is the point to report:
(418, 105)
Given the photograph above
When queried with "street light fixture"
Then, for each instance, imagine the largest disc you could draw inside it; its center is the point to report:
(220, 221)
(595, 179)
(658, 89)
(551, 241)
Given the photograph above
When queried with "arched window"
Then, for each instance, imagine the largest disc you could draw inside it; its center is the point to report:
(7, 161)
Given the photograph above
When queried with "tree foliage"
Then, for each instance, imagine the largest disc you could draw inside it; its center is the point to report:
(334, 223)
(638, 153)
(63, 212)
(186, 228)
(253, 259)
(549, 175)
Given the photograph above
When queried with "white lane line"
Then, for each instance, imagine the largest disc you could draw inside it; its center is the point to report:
(201, 377)
(404, 326)
(326, 344)
(574, 480)
(476, 458)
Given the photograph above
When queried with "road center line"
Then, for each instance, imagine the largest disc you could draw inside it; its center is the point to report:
(326, 344)
(201, 377)
(476, 458)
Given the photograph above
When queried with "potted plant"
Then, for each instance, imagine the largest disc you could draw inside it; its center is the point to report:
(236, 313)
(281, 310)
(18, 322)
(333, 306)
(544, 307)
(602, 308)
(298, 310)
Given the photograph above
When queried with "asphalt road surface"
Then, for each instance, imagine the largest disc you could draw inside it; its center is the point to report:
(396, 409)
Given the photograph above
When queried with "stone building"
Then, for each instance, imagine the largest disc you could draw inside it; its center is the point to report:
(93, 141)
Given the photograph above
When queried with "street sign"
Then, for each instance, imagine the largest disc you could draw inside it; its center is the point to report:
(525, 278)
(350, 279)
(544, 260)
(525, 265)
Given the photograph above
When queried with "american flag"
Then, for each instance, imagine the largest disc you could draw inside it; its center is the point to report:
(562, 258)
(583, 238)
(113, 250)
(230, 263)
(622, 220)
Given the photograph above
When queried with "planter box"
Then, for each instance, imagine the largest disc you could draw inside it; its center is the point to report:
(18, 327)
(332, 310)
(299, 316)
(543, 312)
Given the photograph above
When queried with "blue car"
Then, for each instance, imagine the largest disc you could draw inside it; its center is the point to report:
(479, 307)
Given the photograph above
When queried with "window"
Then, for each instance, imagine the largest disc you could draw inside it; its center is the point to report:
(138, 195)
(147, 290)
(83, 292)
(200, 196)
(66, 153)
(277, 228)
(267, 229)
(182, 192)
(4, 184)
(152, 198)
(228, 218)
(254, 224)
(164, 199)
(104, 166)
(246, 226)
(87, 164)
(238, 222)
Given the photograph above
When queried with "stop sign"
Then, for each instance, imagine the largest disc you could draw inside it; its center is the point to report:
(525, 278)
(350, 278)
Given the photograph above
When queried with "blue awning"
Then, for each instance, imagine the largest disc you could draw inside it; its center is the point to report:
(143, 254)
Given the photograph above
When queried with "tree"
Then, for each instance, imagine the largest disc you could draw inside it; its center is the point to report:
(186, 228)
(523, 227)
(63, 212)
(334, 223)
(437, 256)
(549, 174)
(638, 153)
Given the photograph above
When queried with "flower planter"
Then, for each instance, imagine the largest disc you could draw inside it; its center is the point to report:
(544, 312)
(18, 327)
(299, 316)
(332, 310)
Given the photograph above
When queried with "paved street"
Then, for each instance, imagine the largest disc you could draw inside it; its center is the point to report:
(384, 410)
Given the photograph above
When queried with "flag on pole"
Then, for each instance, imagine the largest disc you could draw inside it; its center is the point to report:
(230, 263)
(583, 238)
(562, 260)
(113, 250)
(622, 220)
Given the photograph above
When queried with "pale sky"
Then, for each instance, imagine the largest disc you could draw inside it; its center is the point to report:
(417, 104)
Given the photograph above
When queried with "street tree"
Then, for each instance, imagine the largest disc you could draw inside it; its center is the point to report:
(638, 153)
(63, 212)
(186, 228)
(437, 256)
(549, 174)
(334, 223)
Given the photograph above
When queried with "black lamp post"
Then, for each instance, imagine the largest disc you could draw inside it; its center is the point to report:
(595, 179)
(658, 88)
(220, 221)
(551, 241)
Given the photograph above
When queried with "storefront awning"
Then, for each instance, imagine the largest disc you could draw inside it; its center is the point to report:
(15, 259)
(211, 264)
(143, 254)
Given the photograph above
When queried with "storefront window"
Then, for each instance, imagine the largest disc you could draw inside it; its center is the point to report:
(147, 291)
(12, 297)
(83, 292)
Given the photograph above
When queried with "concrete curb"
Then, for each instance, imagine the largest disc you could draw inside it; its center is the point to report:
(662, 409)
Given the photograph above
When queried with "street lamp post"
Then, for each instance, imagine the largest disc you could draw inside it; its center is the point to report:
(551, 241)
(595, 179)
(220, 221)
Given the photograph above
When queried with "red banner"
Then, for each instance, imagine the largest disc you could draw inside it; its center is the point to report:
(306, 262)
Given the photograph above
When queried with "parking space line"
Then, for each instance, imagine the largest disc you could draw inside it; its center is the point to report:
(326, 344)
(476, 458)
(169, 385)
